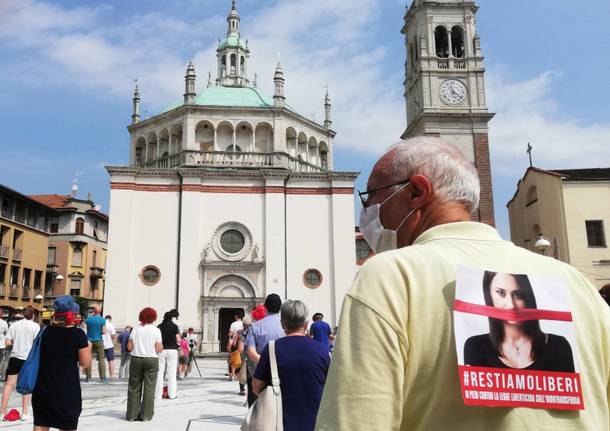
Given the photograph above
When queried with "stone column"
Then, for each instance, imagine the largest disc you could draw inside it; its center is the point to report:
(215, 147)
(449, 43)
(234, 138)
(216, 344)
(253, 146)
(205, 340)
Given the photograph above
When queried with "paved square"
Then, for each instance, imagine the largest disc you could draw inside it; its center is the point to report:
(210, 403)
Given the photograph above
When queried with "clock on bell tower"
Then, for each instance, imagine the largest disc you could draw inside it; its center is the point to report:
(445, 83)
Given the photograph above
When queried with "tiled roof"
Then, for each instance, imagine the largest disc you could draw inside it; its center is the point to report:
(53, 201)
(15, 193)
(584, 174)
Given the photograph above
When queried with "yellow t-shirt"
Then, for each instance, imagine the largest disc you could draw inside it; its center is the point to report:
(394, 366)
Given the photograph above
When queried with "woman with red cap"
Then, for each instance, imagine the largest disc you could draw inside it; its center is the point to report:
(63, 347)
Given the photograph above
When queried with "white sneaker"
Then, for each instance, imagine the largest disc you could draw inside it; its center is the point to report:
(25, 417)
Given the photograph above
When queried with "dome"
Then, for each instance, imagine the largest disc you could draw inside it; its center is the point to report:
(232, 41)
(218, 95)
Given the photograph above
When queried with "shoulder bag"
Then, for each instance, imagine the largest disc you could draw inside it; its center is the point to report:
(266, 412)
(28, 375)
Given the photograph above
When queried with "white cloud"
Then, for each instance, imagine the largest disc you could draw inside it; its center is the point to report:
(323, 42)
(527, 112)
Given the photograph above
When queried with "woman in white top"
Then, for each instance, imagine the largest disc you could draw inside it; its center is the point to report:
(145, 345)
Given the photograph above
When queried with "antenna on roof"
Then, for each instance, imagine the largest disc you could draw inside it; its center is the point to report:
(74, 189)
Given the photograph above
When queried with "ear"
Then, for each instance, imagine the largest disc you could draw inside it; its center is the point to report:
(422, 191)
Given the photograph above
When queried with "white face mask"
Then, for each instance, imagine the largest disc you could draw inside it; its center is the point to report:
(379, 238)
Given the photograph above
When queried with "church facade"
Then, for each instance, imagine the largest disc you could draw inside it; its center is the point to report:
(445, 84)
(230, 195)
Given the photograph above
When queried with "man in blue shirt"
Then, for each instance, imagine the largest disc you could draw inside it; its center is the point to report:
(261, 332)
(320, 330)
(96, 327)
(125, 356)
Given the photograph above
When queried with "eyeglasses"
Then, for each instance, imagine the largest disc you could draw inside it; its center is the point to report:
(368, 192)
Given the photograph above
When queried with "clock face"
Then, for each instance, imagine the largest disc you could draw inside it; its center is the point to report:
(453, 92)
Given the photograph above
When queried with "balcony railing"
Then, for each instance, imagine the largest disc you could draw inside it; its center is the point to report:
(13, 291)
(1, 289)
(459, 64)
(25, 294)
(4, 251)
(96, 272)
(443, 64)
(52, 268)
(17, 253)
(235, 160)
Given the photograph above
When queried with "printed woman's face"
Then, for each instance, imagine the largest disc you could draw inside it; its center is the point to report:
(505, 293)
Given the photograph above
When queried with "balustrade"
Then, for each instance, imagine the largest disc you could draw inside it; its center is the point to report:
(235, 159)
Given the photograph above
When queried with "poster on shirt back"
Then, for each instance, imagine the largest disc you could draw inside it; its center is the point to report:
(515, 341)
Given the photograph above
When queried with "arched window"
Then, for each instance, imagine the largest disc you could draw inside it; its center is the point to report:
(442, 42)
(457, 42)
(324, 159)
(412, 55)
(80, 226)
(233, 63)
(77, 257)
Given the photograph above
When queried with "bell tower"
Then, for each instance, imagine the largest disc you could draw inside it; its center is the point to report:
(445, 83)
(233, 54)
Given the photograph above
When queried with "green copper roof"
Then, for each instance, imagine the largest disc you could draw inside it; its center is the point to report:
(218, 95)
(231, 41)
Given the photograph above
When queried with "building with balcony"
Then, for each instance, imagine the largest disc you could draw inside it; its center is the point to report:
(569, 208)
(230, 195)
(77, 249)
(24, 241)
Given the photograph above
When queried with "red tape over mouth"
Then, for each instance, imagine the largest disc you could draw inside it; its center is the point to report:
(513, 315)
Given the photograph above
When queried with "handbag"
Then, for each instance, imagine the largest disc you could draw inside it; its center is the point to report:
(243, 373)
(266, 412)
(235, 359)
(28, 375)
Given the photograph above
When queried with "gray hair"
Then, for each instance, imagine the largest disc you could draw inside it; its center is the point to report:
(247, 320)
(453, 177)
(293, 315)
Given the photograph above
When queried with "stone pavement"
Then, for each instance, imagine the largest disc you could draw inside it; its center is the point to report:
(210, 403)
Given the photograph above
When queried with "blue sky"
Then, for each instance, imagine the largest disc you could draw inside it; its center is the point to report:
(67, 73)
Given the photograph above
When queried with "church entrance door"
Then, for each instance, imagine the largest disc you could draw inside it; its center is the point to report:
(226, 317)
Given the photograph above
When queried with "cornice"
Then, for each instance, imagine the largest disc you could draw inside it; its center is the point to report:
(185, 110)
(242, 173)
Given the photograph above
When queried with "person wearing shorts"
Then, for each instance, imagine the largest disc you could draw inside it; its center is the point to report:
(20, 336)
(108, 339)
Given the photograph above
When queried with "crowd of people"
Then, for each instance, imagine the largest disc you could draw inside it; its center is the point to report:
(394, 365)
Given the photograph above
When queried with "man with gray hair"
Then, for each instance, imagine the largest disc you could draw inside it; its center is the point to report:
(395, 364)
(302, 366)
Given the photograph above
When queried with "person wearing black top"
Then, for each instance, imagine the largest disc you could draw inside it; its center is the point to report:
(516, 344)
(56, 400)
(168, 358)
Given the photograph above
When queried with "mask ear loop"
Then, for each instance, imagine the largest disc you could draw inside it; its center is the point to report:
(392, 195)
(404, 220)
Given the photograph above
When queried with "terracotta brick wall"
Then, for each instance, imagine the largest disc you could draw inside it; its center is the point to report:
(481, 159)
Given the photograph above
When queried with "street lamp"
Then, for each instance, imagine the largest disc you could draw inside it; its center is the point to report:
(542, 244)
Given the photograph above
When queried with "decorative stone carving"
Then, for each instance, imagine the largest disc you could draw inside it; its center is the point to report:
(207, 252)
